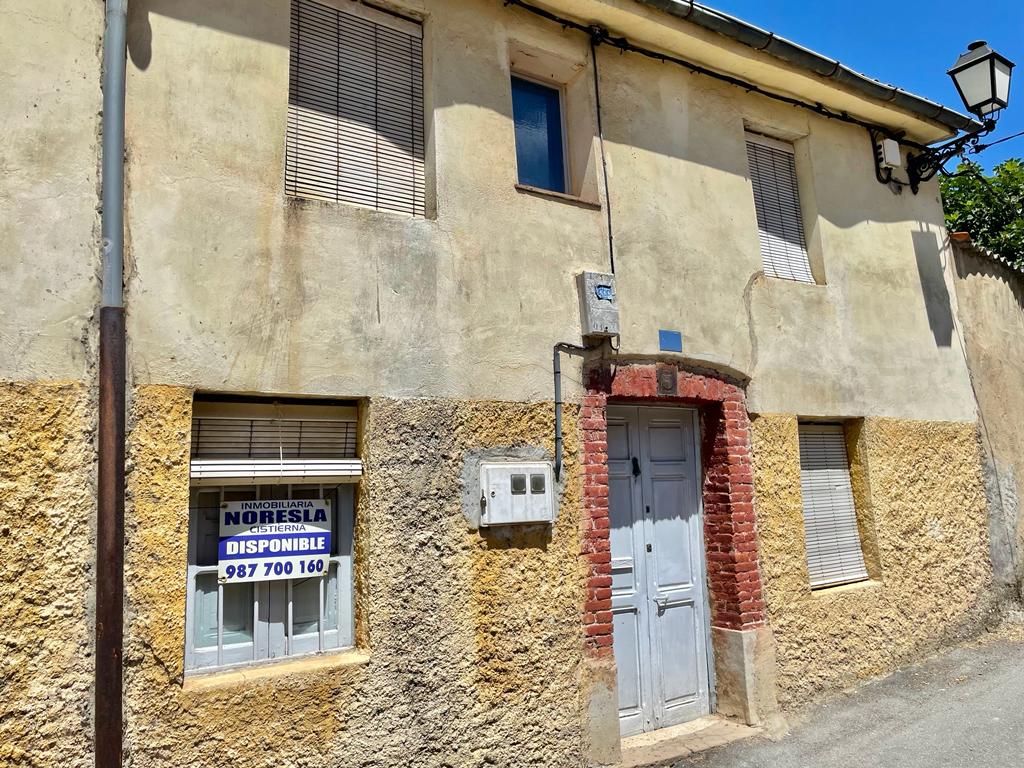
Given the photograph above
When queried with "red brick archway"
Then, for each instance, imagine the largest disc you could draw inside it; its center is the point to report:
(730, 535)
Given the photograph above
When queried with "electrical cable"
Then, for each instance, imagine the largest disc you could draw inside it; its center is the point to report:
(601, 36)
(981, 147)
(604, 161)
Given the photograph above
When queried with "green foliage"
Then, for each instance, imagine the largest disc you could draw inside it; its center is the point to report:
(990, 208)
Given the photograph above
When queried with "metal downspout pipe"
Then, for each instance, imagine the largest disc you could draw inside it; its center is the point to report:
(108, 704)
(556, 366)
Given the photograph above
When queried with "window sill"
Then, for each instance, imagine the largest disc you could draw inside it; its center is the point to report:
(549, 193)
(850, 587)
(344, 207)
(793, 281)
(199, 681)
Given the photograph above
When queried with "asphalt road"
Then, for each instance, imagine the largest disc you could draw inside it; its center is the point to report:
(964, 708)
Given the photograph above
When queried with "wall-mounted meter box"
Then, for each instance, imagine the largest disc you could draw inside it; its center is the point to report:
(513, 493)
(889, 154)
(599, 304)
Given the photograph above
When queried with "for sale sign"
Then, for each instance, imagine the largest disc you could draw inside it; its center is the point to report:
(266, 540)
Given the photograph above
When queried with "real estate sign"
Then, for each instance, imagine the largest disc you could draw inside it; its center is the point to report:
(266, 540)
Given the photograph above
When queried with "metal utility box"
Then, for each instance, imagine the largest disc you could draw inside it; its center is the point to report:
(599, 304)
(518, 492)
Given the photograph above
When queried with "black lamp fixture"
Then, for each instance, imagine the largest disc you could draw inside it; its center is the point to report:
(982, 78)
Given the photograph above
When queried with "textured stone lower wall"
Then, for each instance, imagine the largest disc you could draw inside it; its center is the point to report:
(474, 641)
(47, 515)
(919, 485)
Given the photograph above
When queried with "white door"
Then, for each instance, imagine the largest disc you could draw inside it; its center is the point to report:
(659, 599)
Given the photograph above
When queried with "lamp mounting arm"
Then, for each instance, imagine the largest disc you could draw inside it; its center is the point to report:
(924, 165)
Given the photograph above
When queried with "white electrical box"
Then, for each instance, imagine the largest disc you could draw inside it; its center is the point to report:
(889, 153)
(513, 493)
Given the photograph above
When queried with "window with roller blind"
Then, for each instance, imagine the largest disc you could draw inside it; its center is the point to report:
(780, 222)
(835, 554)
(248, 451)
(355, 107)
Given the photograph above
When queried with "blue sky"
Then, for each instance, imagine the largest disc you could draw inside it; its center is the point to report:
(910, 44)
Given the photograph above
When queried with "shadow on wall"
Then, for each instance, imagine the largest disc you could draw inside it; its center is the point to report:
(504, 537)
(254, 20)
(933, 287)
(644, 109)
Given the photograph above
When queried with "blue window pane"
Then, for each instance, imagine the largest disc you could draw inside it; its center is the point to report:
(537, 114)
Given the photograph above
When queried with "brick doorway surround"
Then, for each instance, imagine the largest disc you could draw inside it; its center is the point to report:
(730, 535)
(742, 643)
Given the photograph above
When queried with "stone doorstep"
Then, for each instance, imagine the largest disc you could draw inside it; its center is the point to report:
(667, 745)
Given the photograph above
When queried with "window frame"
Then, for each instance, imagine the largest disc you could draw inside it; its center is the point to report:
(558, 88)
(751, 136)
(417, 201)
(852, 576)
(258, 650)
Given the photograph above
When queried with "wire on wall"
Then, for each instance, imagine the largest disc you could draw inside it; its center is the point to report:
(601, 36)
(604, 160)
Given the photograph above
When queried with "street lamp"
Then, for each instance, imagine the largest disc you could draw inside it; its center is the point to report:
(982, 78)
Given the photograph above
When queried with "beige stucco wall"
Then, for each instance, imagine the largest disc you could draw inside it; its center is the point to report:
(919, 490)
(990, 299)
(473, 642)
(233, 286)
(49, 172)
(46, 541)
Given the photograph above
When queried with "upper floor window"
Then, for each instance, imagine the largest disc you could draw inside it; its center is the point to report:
(540, 143)
(355, 107)
(780, 221)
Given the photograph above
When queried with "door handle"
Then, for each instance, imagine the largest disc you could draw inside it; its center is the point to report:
(662, 603)
(636, 467)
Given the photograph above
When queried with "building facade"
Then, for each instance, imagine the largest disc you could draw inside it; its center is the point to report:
(353, 239)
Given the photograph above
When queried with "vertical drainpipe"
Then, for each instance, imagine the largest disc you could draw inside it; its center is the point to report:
(556, 366)
(107, 705)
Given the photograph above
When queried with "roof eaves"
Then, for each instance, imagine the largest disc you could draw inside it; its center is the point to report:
(822, 66)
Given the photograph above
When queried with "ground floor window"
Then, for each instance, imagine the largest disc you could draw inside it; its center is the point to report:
(834, 551)
(241, 623)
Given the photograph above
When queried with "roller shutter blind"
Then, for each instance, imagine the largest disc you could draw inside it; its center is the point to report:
(261, 444)
(272, 439)
(355, 108)
(834, 554)
(780, 222)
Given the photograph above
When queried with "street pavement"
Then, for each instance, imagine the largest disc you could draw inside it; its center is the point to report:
(963, 708)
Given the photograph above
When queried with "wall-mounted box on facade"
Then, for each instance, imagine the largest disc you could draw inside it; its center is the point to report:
(514, 493)
(599, 304)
